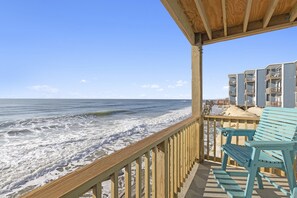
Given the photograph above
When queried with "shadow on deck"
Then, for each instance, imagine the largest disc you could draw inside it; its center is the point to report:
(201, 183)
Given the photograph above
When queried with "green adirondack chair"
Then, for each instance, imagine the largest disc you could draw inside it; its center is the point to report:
(272, 145)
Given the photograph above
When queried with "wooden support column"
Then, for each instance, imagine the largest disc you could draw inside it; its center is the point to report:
(197, 93)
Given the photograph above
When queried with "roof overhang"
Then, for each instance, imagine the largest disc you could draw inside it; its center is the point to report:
(211, 21)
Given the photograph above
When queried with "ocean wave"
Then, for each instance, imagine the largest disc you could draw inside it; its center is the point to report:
(19, 132)
(63, 144)
(106, 113)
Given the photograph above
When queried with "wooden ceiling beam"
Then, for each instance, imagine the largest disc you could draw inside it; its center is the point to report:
(293, 13)
(256, 27)
(177, 13)
(269, 12)
(247, 15)
(204, 18)
(224, 17)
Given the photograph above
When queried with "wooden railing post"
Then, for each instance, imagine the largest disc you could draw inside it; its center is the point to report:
(162, 173)
(197, 98)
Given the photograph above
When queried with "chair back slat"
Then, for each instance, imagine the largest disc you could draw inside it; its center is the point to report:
(277, 124)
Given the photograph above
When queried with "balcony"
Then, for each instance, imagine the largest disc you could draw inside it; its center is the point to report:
(162, 165)
(273, 90)
(273, 75)
(249, 79)
(232, 82)
(249, 92)
(273, 104)
(232, 93)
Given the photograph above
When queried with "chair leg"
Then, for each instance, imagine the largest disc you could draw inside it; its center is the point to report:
(259, 179)
(289, 170)
(224, 162)
(250, 183)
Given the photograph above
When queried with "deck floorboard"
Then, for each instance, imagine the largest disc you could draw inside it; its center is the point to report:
(203, 184)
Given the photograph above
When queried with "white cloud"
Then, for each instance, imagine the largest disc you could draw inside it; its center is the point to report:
(181, 83)
(151, 86)
(160, 89)
(83, 81)
(226, 87)
(44, 88)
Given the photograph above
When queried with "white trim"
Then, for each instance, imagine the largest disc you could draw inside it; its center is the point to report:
(236, 89)
(282, 84)
(256, 87)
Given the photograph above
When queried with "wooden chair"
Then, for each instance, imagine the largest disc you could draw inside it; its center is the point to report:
(272, 145)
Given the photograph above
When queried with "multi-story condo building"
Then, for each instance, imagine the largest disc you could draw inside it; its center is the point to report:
(236, 89)
(254, 81)
(249, 88)
(260, 87)
(281, 85)
(232, 88)
(275, 85)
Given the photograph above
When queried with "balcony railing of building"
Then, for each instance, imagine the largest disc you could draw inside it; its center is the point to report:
(232, 93)
(273, 104)
(249, 92)
(156, 166)
(232, 82)
(273, 75)
(249, 79)
(271, 90)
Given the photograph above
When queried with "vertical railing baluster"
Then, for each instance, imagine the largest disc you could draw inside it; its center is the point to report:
(154, 172)
(187, 151)
(175, 164)
(207, 149)
(114, 185)
(215, 139)
(179, 159)
(147, 175)
(128, 180)
(138, 181)
(97, 190)
(221, 137)
(171, 168)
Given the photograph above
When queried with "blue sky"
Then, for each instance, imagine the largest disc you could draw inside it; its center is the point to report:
(117, 49)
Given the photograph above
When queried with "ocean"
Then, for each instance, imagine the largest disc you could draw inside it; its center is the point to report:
(44, 139)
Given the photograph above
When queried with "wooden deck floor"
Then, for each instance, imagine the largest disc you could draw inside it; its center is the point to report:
(201, 183)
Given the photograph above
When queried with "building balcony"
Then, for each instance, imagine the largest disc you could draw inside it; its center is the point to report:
(249, 79)
(232, 82)
(174, 162)
(249, 92)
(273, 104)
(273, 75)
(232, 93)
(272, 90)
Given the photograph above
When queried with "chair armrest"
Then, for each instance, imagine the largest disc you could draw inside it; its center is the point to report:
(272, 145)
(237, 132)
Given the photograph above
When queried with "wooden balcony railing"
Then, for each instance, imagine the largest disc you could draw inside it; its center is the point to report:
(156, 166)
(153, 167)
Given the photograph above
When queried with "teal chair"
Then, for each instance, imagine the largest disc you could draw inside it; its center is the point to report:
(271, 145)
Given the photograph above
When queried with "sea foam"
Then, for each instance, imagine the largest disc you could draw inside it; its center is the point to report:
(37, 151)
